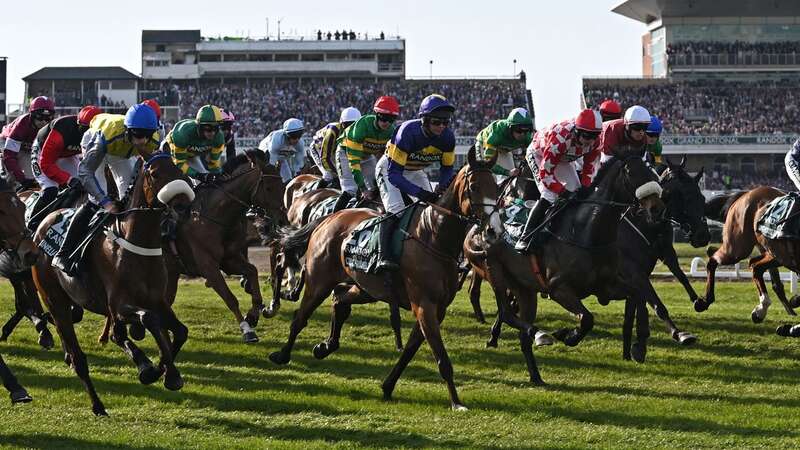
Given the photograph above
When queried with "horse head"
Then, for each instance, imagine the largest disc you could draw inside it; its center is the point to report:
(14, 236)
(634, 182)
(475, 193)
(162, 181)
(684, 202)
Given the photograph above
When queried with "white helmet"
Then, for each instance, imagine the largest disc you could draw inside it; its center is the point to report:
(637, 114)
(292, 125)
(350, 114)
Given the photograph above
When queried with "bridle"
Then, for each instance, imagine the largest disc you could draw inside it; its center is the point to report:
(471, 218)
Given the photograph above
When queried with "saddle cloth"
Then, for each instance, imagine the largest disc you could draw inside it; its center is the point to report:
(514, 215)
(54, 236)
(781, 218)
(363, 251)
(325, 207)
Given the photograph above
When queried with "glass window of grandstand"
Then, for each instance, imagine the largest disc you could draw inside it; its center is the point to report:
(210, 57)
(363, 56)
(778, 162)
(337, 56)
(68, 93)
(123, 84)
(721, 164)
(312, 57)
(287, 57)
(748, 165)
(260, 56)
(740, 44)
(235, 57)
(161, 48)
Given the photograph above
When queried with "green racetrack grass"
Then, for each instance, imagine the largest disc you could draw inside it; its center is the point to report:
(737, 387)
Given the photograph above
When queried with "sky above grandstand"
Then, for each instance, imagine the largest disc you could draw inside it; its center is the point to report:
(555, 42)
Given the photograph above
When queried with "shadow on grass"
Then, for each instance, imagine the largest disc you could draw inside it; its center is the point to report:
(49, 441)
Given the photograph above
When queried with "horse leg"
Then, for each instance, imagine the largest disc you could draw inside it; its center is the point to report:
(180, 333)
(777, 287)
(670, 259)
(413, 343)
(215, 280)
(294, 293)
(569, 301)
(312, 298)
(527, 312)
(759, 264)
(276, 276)
(17, 392)
(153, 323)
(429, 316)
(721, 256)
(238, 263)
(639, 348)
(389, 284)
(475, 297)
(340, 312)
(148, 374)
(682, 337)
(103, 338)
(627, 328)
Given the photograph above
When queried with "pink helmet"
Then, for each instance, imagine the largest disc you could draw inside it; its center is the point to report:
(228, 116)
(42, 108)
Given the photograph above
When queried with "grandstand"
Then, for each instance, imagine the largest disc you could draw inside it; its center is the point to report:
(724, 80)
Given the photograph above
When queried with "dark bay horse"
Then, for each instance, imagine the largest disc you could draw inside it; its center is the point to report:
(16, 242)
(125, 278)
(213, 238)
(426, 282)
(740, 212)
(579, 258)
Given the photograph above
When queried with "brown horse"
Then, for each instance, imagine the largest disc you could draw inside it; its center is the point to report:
(426, 282)
(740, 235)
(15, 240)
(579, 258)
(125, 278)
(298, 186)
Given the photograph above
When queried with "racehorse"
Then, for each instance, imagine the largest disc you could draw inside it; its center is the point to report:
(124, 278)
(643, 244)
(16, 241)
(580, 258)
(427, 279)
(297, 186)
(740, 212)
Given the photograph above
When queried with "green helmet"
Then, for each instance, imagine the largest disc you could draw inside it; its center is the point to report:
(208, 115)
(520, 117)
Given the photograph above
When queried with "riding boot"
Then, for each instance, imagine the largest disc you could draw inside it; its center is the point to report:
(75, 234)
(45, 198)
(535, 218)
(334, 184)
(386, 263)
(342, 201)
(323, 183)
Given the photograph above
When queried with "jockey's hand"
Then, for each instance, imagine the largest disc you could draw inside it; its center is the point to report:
(370, 195)
(75, 184)
(111, 207)
(427, 196)
(567, 195)
(583, 192)
(513, 172)
(26, 184)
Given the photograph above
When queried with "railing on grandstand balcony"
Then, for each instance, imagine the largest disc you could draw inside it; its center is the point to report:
(734, 59)
(390, 67)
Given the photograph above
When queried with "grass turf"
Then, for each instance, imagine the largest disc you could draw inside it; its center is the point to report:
(737, 387)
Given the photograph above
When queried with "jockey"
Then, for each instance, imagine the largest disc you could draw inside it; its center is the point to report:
(610, 110)
(623, 135)
(286, 147)
(355, 156)
(653, 141)
(551, 155)
(112, 140)
(19, 136)
(227, 131)
(792, 162)
(198, 143)
(503, 137)
(162, 128)
(323, 146)
(56, 154)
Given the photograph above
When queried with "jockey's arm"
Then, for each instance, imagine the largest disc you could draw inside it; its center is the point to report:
(51, 151)
(93, 156)
(213, 159)
(328, 150)
(299, 156)
(446, 171)
(397, 165)
(355, 153)
(589, 166)
(551, 157)
(10, 161)
(181, 156)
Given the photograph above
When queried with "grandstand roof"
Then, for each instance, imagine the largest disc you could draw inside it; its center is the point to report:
(81, 73)
(170, 36)
(647, 11)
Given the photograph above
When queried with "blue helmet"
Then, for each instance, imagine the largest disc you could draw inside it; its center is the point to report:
(435, 102)
(141, 117)
(655, 126)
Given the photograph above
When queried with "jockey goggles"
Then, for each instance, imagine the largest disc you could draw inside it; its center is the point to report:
(139, 133)
(639, 126)
(295, 134)
(388, 118)
(653, 135)
(435, 121)
(590, 135)
(211, 128)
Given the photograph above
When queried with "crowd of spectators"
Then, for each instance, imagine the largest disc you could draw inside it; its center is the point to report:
(726, 180)
(346, 35)
(262, 107)
(713, 107)
(738, 48)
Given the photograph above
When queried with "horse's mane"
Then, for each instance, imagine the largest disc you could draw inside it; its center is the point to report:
(232, 164)
(603, 171)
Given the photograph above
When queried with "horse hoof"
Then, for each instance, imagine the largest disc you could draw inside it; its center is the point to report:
(136, 330)
(572, 340)
(538, 382)
(279, 358)
(638, 352)
(250, 337)
(756, 317)
(173, 382)
(491, 343)
(459, 407)
(252, 319)
(794, 302)
(795, 331)
(686, 338)
(269, 311)
(543, 339)
(700, 306)
(561, 334)
(20, 396)
(150, 374)
(323, 349)
(46, 340)
(99, 411)
(784, 330)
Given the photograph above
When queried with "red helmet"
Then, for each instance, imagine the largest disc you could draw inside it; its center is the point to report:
(611, 108)
(42, 104)
(589, 120)
(87, 113)
(387, 105)
(154, 105)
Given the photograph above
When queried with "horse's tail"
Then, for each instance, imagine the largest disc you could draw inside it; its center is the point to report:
(294, 241)
(718, 206)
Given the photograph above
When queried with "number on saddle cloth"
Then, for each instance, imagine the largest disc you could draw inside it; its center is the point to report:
(781, 218)
(54, 236)
(363, 250)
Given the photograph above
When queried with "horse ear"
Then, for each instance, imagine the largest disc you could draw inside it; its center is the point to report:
(699, 175)
(471, 160)
(683, 162)
(669, 162)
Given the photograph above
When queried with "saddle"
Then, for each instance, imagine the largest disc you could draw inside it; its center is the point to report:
(54, 235)
(364, 249)
(781, 218)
